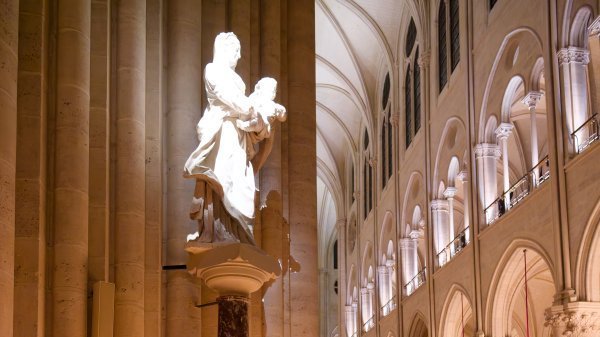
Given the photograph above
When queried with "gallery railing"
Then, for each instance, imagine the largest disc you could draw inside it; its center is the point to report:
(388, 307)
(455, 246)
(369, 324)
(518, 191)
(415, 283)
(586, 134)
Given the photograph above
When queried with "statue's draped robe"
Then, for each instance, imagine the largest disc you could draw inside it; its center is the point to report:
(222, 159)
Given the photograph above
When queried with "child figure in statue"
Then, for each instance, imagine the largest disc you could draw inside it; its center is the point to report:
(266, 110)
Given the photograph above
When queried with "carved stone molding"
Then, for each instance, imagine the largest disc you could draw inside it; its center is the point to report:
(487, 150)
(577, 319)
(463, 175)
(423, 60)
(395, 119)
(373, 162)
(573, 55)
(532, 99)
(504, 130)
(594, 28)
(450, 192)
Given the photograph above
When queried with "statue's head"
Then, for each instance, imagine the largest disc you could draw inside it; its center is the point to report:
(266, 87)
(227, 49)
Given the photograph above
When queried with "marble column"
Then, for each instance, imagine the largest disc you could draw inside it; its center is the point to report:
(8, 153)
(439, 210)
(573, 63)
(185, 89)
(410, 263)
(130, 168)
(486, 156)
(364, 305)
(233, 316)
(384, 286)
(594, 66)
(71, 182)
(349, 320)
(531, 100)
(30, 207)
(372, 303)
(463, 178)
(302, 171)
(502, 133)
(449, 193)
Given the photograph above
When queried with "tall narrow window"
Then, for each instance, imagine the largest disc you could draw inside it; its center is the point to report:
(407, 108)
(367, 177)
(335, 255)
(442, 59)
(454, 33)
(390, 140)
(411, 37)
(386, 130)
(417, 92)
(352, 184)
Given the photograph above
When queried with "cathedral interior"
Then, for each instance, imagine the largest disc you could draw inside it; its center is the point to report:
(434, 171)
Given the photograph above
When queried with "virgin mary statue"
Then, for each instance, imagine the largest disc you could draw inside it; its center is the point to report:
(223, 202)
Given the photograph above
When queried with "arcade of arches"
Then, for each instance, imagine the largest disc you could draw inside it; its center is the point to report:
(438, 174)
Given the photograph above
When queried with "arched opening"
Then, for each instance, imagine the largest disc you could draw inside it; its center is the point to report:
(523, 290)
(457, 316)
(351, 308)
(419, 327)
(386, 271)
(367, 290)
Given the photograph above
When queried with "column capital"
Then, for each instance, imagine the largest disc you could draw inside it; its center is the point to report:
(340, 223)
(594, 28)
(407, 243)
(463, 175)
(487, 150)
(382, 269)
(450, 192)
(504, 130)
(573, 55)
(439, 205)
(532, 99)
(372, 162)
(395, 119)
(575, 319)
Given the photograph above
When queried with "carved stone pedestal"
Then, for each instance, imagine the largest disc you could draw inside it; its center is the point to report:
(233, 270)
(576, 319)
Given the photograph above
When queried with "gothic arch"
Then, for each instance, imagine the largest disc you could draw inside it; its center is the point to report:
(457, 314)
(410, 201)
(418, 327)
(578, 33)
(588, 260)
(385, 236)
(452, 144)
(506, 305)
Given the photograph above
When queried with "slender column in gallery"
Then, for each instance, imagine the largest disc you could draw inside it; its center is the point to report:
(69, 286)
(365, 305)
(502, 133)
(486, 156)
(439, 211)
(184, 88)
(154, 172)
(594, 66)
(463, 178)
(130, 168)
(301, 147)
(531, 100)
(410, 264)
(8, 152)
(349, 319)
(449, 193)
(341, 253)
(384, 285)
(573, 64)
(30, 208)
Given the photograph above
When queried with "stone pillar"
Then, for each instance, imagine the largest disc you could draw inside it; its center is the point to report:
(342, 286)
(30, 205)
(154, 121)
(449, 193)
(439, 210)
(371, 307)
(531, 100)
(575, 319)
(69, 286)
(463, 178)
(130, 168)
(502, 133)
(349, 320)
(233, 316)
(410, 263)
(384, 286)
(391, 267)
(185, 89)
(302, 170)
(486, 156)
(594, 66)
(8, 152)
(355, 320)
(573, 63)
(365, 304)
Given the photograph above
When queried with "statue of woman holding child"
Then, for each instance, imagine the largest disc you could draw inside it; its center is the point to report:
(231, 126)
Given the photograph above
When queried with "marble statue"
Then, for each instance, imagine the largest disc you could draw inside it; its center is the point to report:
(224, 163)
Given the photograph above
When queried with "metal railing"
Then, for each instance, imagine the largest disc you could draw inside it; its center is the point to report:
(518, 191)
(586, 134)
(369, 324)
(456, 245)
(415, 282)
(389, 306)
